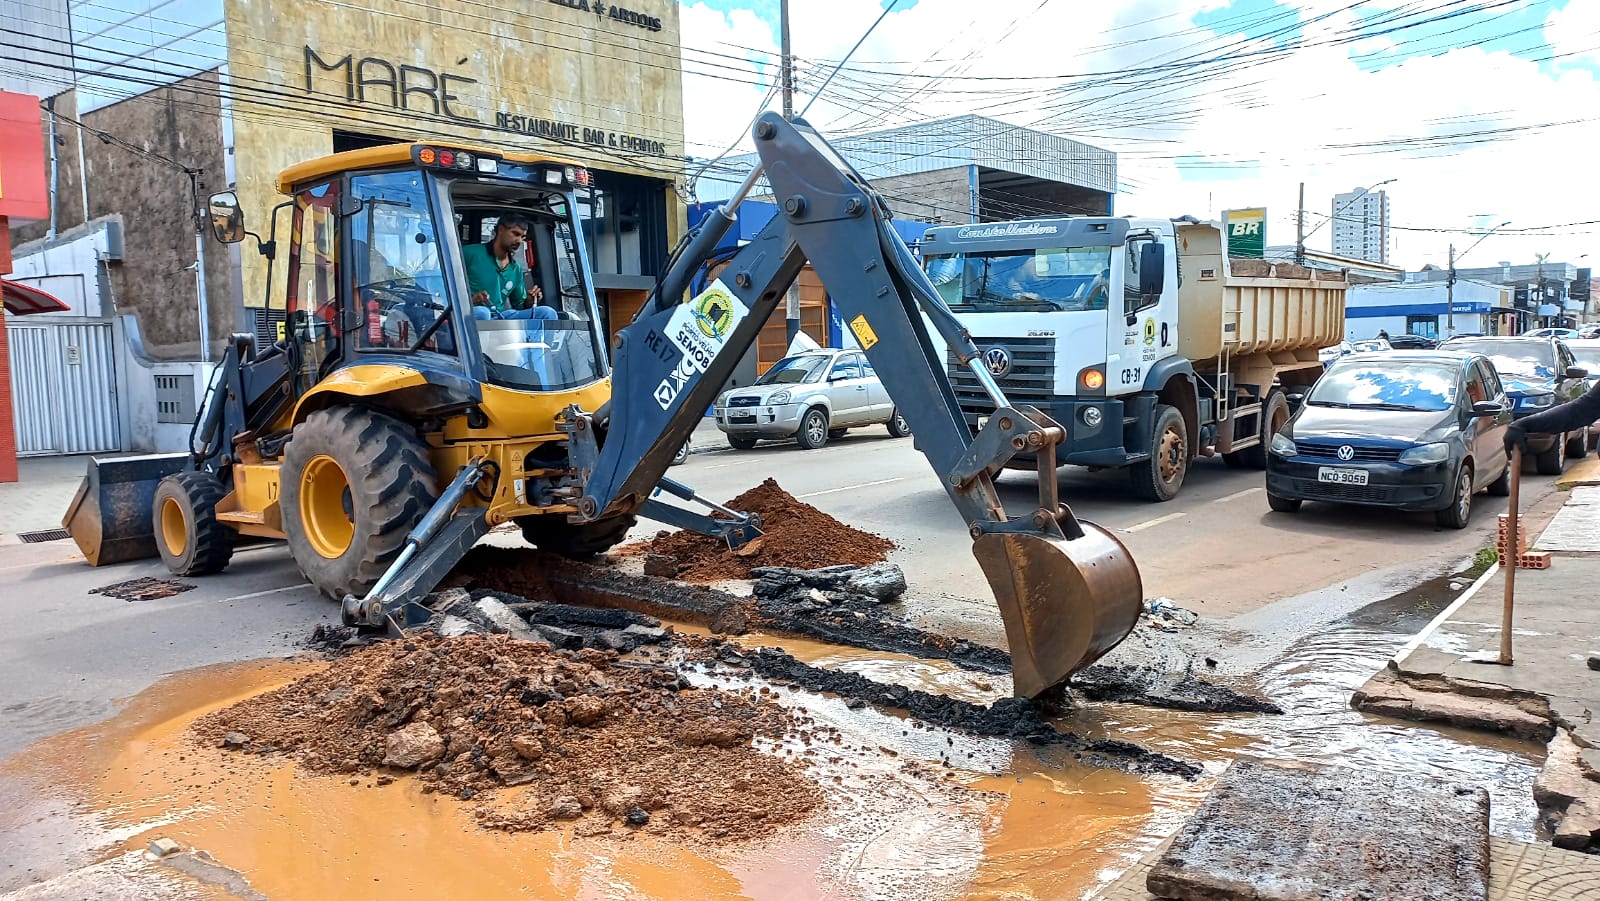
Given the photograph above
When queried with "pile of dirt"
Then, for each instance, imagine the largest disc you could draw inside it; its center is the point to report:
(612, 745)
(796, 534)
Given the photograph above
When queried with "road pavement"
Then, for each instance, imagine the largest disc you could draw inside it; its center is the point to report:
(69, 657)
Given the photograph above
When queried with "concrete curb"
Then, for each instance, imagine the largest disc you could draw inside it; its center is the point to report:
(1439, 620)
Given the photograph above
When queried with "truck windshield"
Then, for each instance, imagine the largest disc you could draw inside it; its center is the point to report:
(1041, 279)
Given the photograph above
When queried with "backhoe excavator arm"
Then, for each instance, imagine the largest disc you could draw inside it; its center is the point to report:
(1068, 591)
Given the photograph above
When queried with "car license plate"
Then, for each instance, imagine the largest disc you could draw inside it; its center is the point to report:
(1341, 476)
(741, 417)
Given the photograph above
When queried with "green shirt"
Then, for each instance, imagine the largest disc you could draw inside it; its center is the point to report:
(507, 287)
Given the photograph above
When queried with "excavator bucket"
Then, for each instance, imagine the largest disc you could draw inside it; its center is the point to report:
(1064, 603)
(110, 518)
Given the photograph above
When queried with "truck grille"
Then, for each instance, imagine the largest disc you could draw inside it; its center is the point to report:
(1030, 381)
(1330, 451)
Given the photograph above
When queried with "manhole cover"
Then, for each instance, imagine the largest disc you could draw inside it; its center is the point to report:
(145, 589)
(43, 535)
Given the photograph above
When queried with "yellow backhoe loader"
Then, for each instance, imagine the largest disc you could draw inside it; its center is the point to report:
(398, 420)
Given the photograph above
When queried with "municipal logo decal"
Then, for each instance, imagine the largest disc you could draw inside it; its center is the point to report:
(713, 314)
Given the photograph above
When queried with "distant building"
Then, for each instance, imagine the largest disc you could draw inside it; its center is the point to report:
(1361, 225)
(1429, 309)
(965, 169)
(1542, 294)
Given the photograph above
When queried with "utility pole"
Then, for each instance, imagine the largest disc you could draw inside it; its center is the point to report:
(792, 300)
(1300, 229)
(200, 265)
(1450, 296)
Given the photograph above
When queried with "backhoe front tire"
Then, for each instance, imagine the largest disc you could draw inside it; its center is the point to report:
(191, 540)
(355, 482)
(552, 532)
(1159, 477)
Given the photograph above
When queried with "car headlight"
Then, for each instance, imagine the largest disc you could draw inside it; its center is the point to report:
(782, 397)
(1425, 453)
(1283, 446)
(1538, 400)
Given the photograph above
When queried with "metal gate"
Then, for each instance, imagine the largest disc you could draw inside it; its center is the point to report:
(63, 387)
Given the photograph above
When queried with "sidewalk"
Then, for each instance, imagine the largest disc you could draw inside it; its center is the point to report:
(39, 498)
(1549, 694)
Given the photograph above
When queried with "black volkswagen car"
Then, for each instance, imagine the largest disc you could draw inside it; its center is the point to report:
(1538, 373)
(1413, 430)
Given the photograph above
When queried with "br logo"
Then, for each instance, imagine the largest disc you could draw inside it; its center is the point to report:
(713, 314)
(1149, 331)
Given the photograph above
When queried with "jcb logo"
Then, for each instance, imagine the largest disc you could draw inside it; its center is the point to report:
(674, 383)
(1246, 228)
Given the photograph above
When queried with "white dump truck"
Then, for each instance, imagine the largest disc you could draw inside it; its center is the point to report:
(1140, 336)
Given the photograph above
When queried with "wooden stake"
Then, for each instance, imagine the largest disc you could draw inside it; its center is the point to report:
(1513, 546)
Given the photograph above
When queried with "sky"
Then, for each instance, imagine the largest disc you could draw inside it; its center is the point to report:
(1482, 112)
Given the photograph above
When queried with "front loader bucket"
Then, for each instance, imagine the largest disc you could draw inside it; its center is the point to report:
(110, 517)
(1064, 603)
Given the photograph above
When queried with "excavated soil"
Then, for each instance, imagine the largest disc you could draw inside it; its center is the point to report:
(612, 745)
(795, 534)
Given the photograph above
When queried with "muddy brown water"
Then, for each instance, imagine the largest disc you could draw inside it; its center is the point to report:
(1003, 820)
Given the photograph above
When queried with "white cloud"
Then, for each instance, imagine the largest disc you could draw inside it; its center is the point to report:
(1467, 133)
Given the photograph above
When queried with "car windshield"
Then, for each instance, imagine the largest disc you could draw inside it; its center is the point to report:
(794, 370)
(1520, 357)
(1387, 386)
(1041, 279)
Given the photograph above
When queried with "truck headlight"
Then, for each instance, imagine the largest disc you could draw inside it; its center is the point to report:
(782, 397)
(1283, 446)
(1538, 400)
(1092, 417)
(1425, 453)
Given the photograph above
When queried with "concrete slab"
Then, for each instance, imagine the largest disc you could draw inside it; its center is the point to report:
(1518, 871)
(1576, 528)
(1584, 472)
(1274, 833)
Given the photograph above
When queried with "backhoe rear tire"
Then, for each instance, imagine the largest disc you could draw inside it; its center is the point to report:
(552, 532)
(191, 540)
(355, 482)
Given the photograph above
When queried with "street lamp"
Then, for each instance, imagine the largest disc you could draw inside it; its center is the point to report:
(1300, 242)
(1450, 280)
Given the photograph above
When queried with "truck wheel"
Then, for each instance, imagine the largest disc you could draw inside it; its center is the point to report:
(1160, 477)
(813, 429)
(355, 482)
(1283, 504)
(1456, 515)
(898, 427)
(191, 540)
(551, 532)
(1552, 461)
(1274, 413)
(741, 442)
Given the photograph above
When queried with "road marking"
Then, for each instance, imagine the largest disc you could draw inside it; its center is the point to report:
(1154, 522)
(1444, 615)
(261, 594)
(849, 488)
(1238, 494)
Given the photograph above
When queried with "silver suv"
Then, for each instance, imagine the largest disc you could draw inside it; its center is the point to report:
(810, 397)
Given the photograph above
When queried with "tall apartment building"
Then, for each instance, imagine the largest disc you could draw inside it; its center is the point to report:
(1361, 225)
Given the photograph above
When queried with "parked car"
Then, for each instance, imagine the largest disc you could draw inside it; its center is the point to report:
(1538, 373)
(810, 397)
(1371, 345)
(1587, 352)
(1329, 354)
(1413, 430)
(682, 454)
(1412, 342)
(1563, 334)
(1591, 330)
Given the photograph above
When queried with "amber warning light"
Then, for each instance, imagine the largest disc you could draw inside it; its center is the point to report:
(458, 160)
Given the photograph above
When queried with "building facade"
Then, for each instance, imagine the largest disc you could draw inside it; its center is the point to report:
(1361, 225)
(1432, 310)
(965, 169)
(1542, 293)
(149, 107)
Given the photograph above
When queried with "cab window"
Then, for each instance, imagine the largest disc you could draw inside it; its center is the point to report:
(1477, 388)
(394, 266)
(312, 302)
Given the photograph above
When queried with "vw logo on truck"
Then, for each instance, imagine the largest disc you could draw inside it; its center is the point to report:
(998, 359)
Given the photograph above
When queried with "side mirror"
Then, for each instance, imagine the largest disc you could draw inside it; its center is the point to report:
(1152, 269)
(1577, 372)
(227, 219)
(1488, 408)
(1296, 399)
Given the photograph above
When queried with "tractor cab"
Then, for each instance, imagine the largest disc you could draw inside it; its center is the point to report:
(395, 257)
